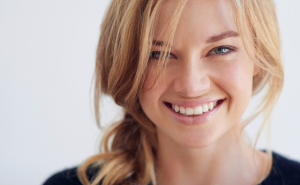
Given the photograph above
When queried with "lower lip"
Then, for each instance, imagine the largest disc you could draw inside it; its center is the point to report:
(194, 120)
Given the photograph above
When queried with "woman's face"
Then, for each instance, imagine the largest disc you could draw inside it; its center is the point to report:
(208, 72)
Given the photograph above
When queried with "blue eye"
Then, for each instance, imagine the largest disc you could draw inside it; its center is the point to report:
(156, 54)
(222, 50)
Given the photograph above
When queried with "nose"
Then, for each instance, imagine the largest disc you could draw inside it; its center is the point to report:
(192, 80)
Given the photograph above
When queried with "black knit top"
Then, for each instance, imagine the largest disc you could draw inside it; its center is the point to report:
(284, 172)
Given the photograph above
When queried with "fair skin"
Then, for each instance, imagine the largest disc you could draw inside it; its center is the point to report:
(208, 63)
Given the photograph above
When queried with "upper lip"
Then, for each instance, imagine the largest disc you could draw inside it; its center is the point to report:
(194, 103)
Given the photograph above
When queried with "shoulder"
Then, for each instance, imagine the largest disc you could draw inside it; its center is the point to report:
(66, 177)
(284, 171)
(69, 177)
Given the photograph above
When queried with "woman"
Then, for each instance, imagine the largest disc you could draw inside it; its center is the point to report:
(185, 71)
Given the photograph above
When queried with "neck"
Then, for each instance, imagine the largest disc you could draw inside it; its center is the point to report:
(229, 160)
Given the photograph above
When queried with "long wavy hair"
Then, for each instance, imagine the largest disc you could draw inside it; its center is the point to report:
(128, 147)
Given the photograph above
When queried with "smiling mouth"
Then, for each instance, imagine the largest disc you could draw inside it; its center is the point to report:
(195, 111)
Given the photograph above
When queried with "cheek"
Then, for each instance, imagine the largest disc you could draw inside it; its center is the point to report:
(150, 94)
(236, 78)
(150, 76)
(149, 80)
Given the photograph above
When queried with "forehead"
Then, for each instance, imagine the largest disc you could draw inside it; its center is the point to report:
(199, 20)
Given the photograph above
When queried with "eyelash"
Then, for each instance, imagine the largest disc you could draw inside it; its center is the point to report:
(155, 54)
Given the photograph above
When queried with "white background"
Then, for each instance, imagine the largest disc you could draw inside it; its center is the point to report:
(47, 54)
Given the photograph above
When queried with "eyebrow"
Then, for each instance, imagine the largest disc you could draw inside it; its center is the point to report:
(222, 36)
(158, 43)
(212, 39)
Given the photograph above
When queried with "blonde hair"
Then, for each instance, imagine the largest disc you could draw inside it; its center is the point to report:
(122, 57)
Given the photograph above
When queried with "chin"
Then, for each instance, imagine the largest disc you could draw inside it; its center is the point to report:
(197, 141)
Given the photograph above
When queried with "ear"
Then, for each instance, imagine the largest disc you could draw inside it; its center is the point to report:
(255, 70)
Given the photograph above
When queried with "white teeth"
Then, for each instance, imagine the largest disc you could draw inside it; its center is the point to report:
(198, 110)
(205, 108)
(211, 106)
(189, 111)
(176, 108)
(182, 110)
